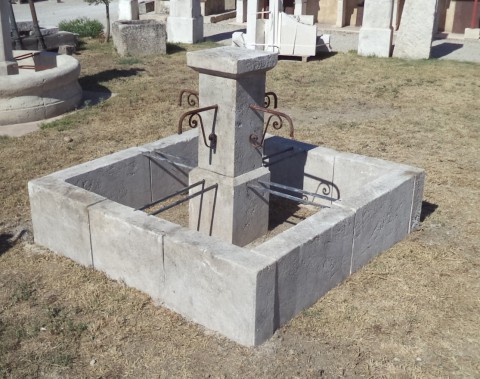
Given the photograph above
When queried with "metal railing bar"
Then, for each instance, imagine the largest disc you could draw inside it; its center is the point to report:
(178, 202)
(277, 153)
(176, 193)
(293, 189)
(284, 195)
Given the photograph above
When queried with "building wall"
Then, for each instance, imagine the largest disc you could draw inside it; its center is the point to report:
(454, 15)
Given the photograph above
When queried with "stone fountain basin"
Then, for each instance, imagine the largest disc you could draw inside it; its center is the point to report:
(37, 95)
(87, 213)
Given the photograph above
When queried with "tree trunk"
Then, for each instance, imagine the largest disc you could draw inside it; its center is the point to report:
(107, 10)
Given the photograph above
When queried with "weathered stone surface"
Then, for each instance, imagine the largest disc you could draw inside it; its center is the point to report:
(230, 61)
(382, 216)
(376, 34)
(219, 285)
(139, 38)
(233, 213)
(34, 96)
(8, 65)
(311, 258)
(60, 217)
(414, 37)
(128, 246)
(185, 23)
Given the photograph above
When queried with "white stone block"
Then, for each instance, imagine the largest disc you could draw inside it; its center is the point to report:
(60, 217)
(414, 37)
(376, 34)
(184, 29)
(472, 34)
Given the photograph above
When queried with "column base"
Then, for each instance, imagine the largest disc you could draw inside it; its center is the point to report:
(185, 29)
(8, 68)
(234, 212)
(375, 42)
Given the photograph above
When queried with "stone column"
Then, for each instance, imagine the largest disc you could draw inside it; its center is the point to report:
(376, 34)
(241, 11)
(185, 23)
(233, 79)
(128, 10)
(8, 65)
(251, 38)
(414, 37)
(341, 13)
(300, 6)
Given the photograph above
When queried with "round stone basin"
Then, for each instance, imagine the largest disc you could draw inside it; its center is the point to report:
(37, 95)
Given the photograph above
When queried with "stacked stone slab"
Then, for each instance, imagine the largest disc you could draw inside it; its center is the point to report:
(414, 39)
(8, 65)
(233, 79)
(376, 34)
(185, 23)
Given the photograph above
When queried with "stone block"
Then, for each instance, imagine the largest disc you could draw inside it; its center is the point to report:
(375, 42)
(66, 49)
(221, 286)
(231, 62)
(414, 37)
(60, 217)
(234, 212)
(126, 181)
(139, 38)
(472, 34)
(128, 246)
(185, 29)
(382, 216)
(311, 258)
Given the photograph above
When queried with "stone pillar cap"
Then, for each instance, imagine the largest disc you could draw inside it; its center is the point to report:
(231, 61)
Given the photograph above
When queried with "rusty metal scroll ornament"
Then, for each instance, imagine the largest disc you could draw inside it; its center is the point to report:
(191, 96)
(275, 119)
(195, 119)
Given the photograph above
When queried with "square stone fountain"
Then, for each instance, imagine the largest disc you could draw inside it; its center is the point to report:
(227, 169)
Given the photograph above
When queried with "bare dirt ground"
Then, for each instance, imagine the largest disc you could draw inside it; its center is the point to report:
(412, 312)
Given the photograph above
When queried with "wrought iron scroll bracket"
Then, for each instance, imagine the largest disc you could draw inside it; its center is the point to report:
(191, 95)
(269, 97)
(275, 119)
(195, 119)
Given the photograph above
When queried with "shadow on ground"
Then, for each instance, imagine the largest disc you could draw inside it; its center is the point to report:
(92, 82)
(5, 242)
(427, 210)
(444, 49)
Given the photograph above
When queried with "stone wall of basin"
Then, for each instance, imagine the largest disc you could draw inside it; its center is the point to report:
(87, 213)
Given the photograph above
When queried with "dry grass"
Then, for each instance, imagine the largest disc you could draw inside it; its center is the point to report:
(412, 312)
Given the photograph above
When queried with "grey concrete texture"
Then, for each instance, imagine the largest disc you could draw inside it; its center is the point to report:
(32, 96)
(185, 29)
(139, 38)
(253, 292)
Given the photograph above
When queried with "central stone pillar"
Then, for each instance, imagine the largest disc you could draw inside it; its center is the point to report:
(185, 22)
(233, 79)
(8, 65)
(376, 34)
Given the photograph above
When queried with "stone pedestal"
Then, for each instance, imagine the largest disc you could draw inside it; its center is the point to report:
(414, 38)
(185, 23)
(8, 65)
(128, 10)
(232, 79)
(376, 34)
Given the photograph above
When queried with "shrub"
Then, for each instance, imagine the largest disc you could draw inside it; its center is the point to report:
(83, 26)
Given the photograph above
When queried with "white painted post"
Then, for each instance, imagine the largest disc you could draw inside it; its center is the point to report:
(8, 65)
(241, 11)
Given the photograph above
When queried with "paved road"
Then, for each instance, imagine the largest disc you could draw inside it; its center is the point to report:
(50, 13)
